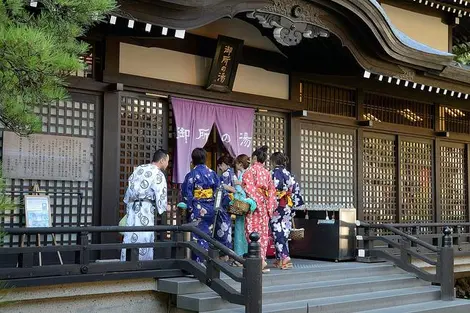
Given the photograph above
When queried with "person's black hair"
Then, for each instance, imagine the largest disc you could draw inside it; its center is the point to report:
(279, 159)
(225, 159)
(198, 156)
(159, 155)
(261, 154)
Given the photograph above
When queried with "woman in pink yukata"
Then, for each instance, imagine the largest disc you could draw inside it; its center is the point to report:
(259, 186)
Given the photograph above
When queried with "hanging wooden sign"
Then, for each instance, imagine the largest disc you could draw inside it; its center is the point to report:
(225, 64)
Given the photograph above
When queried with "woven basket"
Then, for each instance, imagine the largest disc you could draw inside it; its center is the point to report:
(296, 233)
(238, 207)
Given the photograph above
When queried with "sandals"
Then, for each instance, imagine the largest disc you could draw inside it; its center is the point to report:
(283, 264)
(265, 268)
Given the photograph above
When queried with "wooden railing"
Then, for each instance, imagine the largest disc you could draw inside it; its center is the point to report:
(84, 269)
(409, 246)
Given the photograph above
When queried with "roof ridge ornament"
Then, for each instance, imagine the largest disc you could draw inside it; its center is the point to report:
(292, 21)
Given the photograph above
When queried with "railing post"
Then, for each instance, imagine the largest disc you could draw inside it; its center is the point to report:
(404, 255)
(82, 257)
(446, 266)
(252, 286)
(178, 252)
(212, 272)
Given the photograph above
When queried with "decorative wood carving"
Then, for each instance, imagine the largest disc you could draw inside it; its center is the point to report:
(292, 20)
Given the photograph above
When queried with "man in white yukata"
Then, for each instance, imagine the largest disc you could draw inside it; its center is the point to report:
(147, 191)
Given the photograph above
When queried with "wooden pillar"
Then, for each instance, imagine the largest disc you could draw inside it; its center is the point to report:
(110, 168)
(399, 193)
(436, 180)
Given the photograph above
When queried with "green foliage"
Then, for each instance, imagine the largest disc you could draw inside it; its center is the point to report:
(39, 48)
(462, 53)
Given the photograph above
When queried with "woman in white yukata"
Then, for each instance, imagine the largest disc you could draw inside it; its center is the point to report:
(147, 191)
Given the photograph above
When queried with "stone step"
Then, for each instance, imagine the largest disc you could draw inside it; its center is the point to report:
(188, 285)
(281, 293)
(438, 306)
(350, 303)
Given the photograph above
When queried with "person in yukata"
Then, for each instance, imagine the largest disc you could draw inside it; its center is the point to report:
(147, 191)
(242, 162)
(288, 198)
(258, 185)
(223, 223)
(198, 192)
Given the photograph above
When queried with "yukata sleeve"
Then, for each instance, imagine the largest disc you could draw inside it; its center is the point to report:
(297, 198)
(159, 187)
(187, 190)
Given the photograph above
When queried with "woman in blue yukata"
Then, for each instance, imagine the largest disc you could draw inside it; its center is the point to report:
(288, 198)
(223, 223)
(198, 191)
(242, 162)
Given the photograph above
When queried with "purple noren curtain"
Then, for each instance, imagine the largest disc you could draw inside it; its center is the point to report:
(194, 120)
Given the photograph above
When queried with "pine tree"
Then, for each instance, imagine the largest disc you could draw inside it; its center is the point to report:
(462, 53)
(39, 48)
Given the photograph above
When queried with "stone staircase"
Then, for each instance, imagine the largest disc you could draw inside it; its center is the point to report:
(315, 286)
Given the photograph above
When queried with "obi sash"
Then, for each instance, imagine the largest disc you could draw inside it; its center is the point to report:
(203, 193)
(264, 192)
(285, 198)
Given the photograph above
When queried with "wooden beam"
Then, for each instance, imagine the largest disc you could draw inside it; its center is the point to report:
(143, 84)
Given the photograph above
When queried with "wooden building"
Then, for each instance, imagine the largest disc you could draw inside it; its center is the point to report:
(364, 96)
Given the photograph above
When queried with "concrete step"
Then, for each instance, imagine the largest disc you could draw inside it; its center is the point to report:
(438, 306)
(188, 285)
(302, 291)
(351, 303)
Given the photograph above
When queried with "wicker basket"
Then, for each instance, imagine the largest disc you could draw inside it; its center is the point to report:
(238, 207)
(296, 233)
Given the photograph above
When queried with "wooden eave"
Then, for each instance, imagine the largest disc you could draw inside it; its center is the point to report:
(360, 25)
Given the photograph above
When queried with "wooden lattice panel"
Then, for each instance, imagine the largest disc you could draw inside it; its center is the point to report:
(379, 179)
(381, 108)
(454, 120)
(143, 129)
(327, 167)
(416, 186)
(77, 118)
(453, 183)
(270, 129)
(328, 99)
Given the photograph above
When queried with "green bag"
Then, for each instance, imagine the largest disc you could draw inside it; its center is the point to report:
(123, 222)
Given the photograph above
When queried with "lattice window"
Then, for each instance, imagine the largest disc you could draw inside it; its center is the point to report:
(381, 108)
(143, 129)
(416, 181)
(270, 129)
(77, 118)
(328, 99)
(327, 168)
(454, 120)
(453, 183)
(379, 179)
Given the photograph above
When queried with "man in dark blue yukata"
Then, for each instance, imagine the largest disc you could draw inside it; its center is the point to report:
(198, 191)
